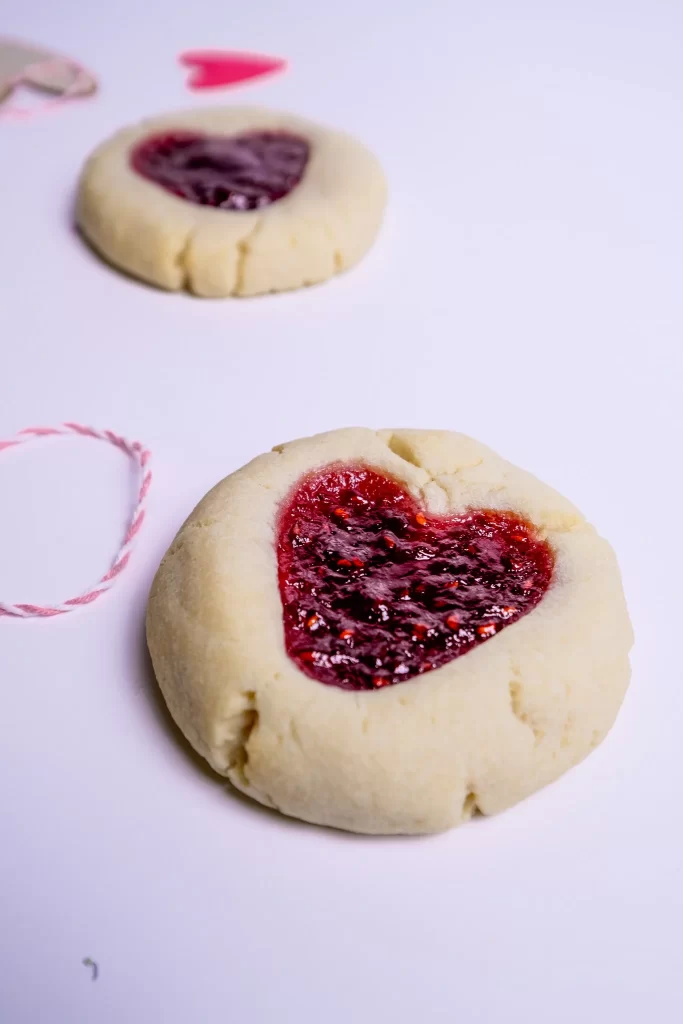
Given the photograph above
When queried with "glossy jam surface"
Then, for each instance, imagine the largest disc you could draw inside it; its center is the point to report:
(229, 172)
(374, 590)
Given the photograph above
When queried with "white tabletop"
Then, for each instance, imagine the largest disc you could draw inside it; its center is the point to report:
(526, 289)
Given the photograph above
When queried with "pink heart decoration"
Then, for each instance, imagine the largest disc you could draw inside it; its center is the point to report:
(213, 68)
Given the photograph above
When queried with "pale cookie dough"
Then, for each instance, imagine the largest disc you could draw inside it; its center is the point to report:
(480, 733)
(323, 226)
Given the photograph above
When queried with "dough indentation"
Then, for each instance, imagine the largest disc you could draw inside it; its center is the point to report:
(520, 713)
(400, 446)
(240, 728)
(469, 807)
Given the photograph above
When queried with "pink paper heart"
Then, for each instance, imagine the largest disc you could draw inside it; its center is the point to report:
(213, 68)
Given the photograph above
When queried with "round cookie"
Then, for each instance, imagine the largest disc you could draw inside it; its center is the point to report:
(293, 573)
(231, 201)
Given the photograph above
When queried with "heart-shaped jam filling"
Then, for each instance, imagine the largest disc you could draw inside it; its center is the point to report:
(229, 172)
(375, 590)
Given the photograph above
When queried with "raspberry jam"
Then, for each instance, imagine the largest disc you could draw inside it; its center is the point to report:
(375, 590)
(229, 172)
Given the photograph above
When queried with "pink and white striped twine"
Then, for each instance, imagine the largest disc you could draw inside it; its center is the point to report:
(139, 454)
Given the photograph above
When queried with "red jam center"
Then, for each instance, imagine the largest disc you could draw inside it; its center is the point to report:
(230, 172)
(374, 590)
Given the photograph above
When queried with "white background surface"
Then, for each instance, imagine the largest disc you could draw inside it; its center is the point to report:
(527, 290)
